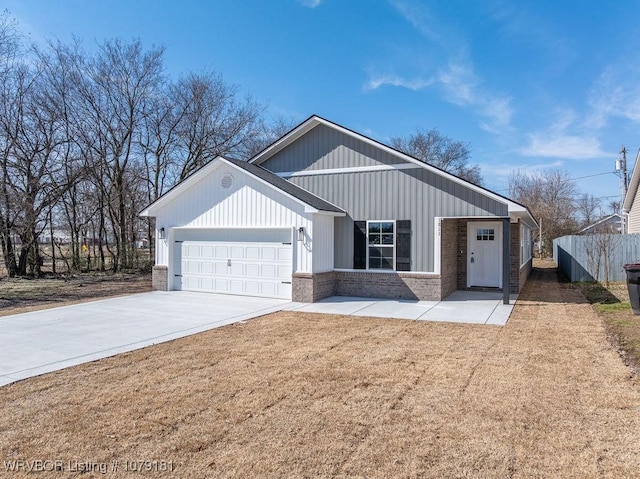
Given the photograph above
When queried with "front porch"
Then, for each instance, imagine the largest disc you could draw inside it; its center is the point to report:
(456, 257)
(496, 248)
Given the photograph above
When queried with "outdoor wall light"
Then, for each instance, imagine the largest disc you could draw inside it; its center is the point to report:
(301, 233)
(161, 233)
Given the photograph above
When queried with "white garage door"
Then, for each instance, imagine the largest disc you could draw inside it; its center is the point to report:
(253, 269)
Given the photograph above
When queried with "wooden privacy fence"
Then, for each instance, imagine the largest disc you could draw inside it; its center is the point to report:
(596, 257)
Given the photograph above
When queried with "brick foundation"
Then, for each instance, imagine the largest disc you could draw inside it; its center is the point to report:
(309, 288)
(398, 285)
(160, 277)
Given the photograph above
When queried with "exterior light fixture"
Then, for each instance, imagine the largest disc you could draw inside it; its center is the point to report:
(161, 233)
(301, 233)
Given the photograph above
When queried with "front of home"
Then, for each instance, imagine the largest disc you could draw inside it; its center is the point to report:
(326, 211)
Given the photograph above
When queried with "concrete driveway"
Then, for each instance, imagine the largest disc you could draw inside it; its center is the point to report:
(44, 341)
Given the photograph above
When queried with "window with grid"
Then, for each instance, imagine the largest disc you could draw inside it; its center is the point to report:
(381, 245)
(526, 245)
(485, 234)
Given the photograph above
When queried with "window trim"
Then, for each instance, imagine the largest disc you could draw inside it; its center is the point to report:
(526, 245)
(393, 268)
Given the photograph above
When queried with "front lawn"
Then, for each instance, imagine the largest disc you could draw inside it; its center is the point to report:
(304, 395)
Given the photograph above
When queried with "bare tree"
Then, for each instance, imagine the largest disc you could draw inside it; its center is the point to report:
(215, 121)
(588, 209)
(118, 84)
(441, 151)
(550, 196)
(266, 133)
(10, 52)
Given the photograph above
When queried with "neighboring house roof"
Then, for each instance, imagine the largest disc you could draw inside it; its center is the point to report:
(514, 208)
(602, 223)
(311, 201)
(633, 185)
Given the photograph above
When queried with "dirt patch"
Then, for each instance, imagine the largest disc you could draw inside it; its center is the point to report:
(19, 295)
(304, 395)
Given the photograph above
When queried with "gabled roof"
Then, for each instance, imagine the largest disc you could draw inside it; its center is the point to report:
(311, 202)
(633, 185)
(310, 123)
(286, 186)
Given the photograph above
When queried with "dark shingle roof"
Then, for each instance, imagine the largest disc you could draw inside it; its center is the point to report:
(286, 186)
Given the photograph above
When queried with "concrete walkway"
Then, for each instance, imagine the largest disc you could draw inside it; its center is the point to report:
(43, 341)
(461, 307)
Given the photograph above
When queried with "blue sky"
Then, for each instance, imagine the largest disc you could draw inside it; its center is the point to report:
(529, 84)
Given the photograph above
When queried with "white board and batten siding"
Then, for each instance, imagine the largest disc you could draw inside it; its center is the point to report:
(249, 222)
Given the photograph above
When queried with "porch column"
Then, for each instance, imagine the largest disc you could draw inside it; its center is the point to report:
(506, 263)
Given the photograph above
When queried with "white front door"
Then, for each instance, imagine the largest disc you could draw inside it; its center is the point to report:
(246, 268)
(484, 254)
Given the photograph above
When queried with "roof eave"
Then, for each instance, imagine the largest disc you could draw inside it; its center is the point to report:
(633, 185)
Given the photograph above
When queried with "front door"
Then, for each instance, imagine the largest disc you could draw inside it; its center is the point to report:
(484, 254)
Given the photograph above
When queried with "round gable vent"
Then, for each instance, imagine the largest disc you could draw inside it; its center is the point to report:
(227, 181)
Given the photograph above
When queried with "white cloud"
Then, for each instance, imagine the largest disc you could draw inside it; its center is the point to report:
(561, 140)
(571, 147)
(616, 93)
(503, 171)
(310, 3)
(460, 87)
(397, 81)
(420, 18)
(455, 76)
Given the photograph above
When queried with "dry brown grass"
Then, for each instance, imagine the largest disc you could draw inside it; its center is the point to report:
(302, 395)
(19, 295)
(622, 326)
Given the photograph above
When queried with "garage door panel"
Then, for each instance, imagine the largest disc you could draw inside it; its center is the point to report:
(255, 268)
(269, 253)
(220, 267)
(252, 269)
(221, 285)
(207, 267)
(236, 269)
(252, 287)
(191, 267)
(268, 289)
(268, 271)
(284, 254)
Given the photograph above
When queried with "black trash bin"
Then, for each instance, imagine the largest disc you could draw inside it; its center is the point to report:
(633, 285)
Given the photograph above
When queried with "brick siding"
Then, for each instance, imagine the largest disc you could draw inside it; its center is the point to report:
(160, 277)
(309, 288)
(388, 285)
(449, 262)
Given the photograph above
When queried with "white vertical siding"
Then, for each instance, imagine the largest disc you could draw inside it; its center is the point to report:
(322, 243)
(248, 203)
(633, 225)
